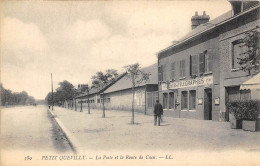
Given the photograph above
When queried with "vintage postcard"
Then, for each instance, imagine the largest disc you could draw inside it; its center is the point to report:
(130, 83)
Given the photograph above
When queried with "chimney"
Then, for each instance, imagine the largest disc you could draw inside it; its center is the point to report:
(196, 20)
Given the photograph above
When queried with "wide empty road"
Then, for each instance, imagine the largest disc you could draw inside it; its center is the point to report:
(29, 130)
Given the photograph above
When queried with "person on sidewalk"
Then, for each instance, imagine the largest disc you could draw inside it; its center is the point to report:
(158, 111)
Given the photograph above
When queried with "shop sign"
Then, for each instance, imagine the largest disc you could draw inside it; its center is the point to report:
(164, 86)
(193, 82)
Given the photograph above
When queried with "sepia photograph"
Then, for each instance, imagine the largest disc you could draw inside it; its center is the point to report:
(111, 82)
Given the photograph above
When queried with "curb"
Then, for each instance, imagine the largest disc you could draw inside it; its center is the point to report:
(74, 143)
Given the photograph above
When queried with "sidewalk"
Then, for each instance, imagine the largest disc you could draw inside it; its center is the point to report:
(115, 132)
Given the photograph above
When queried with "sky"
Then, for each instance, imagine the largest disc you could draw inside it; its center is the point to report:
(75, 39)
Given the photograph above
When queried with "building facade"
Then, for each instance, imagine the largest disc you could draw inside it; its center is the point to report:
(199, 73)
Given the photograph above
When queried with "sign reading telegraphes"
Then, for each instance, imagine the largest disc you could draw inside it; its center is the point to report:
(193, 82)
(164, 85)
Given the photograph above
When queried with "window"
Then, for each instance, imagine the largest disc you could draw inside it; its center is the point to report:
(171, 100)
(184, 100)
(192, 100)
(165, 100)
(208, 62)
(245, 94)
(173, 71)
(182, 68)
(98, 100)
(162, 72)
(151, 98)
(194, 65)
(108, 100)
(238, 49)
(240, 6)
(235, 94)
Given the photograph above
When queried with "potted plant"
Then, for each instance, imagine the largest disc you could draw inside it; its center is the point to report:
(251, 113)
(244, 114)
(235, 116)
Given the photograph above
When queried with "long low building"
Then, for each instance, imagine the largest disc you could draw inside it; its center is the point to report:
(118, 95)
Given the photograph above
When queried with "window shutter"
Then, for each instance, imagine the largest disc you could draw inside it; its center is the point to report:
(180, 68)
(164, 72)
(202, 63)
(190, 65)
(173, 70)
(183, 68)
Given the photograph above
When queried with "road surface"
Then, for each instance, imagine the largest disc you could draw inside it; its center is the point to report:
(30, 129)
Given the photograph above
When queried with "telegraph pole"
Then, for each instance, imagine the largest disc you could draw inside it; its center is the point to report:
(52, 92)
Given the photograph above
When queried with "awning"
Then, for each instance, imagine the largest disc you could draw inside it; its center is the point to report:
(253, 83)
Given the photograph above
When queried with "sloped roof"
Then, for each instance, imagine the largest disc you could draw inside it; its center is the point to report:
(206, 27)
(97, 90)
(125, 83)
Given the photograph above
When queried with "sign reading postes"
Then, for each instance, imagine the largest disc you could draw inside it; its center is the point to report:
(190, 83)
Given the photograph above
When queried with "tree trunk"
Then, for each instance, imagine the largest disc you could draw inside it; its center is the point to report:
(75, 105)
(81, 105)
(103, 115)
(133, 103)
(88, 106)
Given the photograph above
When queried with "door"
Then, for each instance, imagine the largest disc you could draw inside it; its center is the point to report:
(208, 104)
(165, 100)
(171, 100)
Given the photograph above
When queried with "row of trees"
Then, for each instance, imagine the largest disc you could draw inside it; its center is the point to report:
(64, 92)
(134, 74)
(100, 81)
(13, 98)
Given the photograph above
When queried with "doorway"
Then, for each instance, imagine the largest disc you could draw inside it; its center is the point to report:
(165, 100)
(171, 100)
(208, 104)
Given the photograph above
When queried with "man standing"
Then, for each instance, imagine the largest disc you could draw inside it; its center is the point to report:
(158, 111)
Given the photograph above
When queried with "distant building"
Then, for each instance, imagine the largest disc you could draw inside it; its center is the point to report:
(199, 73)
(92, 97)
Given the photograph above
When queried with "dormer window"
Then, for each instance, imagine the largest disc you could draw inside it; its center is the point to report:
(240, 6)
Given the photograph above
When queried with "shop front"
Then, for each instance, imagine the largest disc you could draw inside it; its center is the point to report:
(194, 98)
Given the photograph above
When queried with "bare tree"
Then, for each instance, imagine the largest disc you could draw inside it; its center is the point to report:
(136, 76)
(101, 81)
